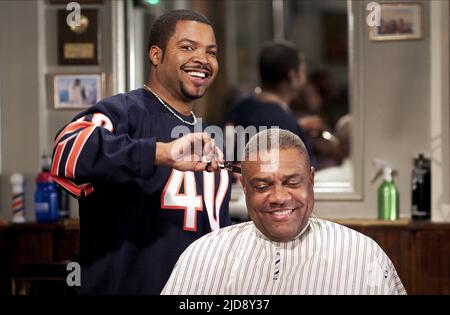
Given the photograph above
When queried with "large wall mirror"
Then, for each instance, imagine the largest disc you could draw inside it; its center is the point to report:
(327, 107)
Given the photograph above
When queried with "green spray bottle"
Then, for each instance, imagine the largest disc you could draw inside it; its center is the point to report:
(388, 201)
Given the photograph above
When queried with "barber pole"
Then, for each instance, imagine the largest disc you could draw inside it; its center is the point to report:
(18, 197)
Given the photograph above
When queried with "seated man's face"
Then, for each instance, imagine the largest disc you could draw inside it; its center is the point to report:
(279, 202)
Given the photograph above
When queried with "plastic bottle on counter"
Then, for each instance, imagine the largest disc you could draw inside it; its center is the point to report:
(46, 195)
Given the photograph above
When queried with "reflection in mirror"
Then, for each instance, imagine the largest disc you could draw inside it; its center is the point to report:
(323, 107)
(320, 30)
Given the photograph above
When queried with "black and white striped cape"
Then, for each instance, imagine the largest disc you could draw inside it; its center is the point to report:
(326, 258)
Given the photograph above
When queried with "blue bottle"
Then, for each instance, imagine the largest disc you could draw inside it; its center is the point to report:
(46, 199)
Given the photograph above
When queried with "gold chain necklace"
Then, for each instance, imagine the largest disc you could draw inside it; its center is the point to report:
(170, 109)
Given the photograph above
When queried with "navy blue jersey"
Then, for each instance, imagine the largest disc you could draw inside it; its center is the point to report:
(136, 218)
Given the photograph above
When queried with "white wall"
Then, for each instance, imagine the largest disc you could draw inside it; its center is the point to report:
(20, 97)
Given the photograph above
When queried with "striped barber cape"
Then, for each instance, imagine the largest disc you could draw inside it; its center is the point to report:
(325, 258)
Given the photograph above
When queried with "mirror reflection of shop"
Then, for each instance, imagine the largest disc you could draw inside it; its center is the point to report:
(319, 29)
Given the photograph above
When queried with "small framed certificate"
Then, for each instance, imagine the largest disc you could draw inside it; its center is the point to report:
(79, 44)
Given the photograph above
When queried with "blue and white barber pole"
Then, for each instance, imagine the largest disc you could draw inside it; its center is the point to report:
(18, 197)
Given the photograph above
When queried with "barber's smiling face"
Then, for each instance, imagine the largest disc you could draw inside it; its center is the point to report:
(190, 62)
(279, 202)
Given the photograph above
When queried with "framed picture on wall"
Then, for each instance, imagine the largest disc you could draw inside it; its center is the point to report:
(79, 44)
(77, 91)
(399, 21)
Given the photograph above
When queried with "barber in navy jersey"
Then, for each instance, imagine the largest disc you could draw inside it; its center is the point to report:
(143, 196)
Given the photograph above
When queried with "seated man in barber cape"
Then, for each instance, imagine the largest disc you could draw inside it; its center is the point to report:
(283, 250)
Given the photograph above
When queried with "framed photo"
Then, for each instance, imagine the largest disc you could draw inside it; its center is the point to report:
(77, 91)
(399, 21)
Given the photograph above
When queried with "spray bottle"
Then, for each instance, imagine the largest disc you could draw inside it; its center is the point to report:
(388, 201)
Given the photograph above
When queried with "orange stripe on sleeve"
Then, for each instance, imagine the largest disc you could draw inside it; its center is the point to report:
(57, 159)
(76, 149)
(58, 154)
(72, 127)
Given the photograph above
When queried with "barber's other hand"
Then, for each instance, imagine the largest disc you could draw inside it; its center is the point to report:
(191, 152)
